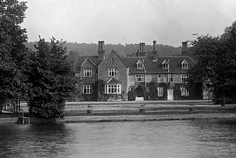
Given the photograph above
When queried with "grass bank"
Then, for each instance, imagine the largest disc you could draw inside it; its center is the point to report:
(139, 111)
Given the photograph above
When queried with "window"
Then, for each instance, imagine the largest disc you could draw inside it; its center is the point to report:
(184, 64)
(113, 89)
(184, 91)
(112, 72)
(162, 78)
(87, 89)
(165, 64)
(160, 91)
(183, 78)
(87, 72)
(140, 78)
(140, 64)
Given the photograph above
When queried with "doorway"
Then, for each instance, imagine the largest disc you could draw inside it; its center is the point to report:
(170, 94)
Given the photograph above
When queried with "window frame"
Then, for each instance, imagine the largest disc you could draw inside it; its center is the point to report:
(141, 76)
(160, 91)
(183, 78)
(161, 77)
(184, 64)
(87, 89)
(112, 72)
(184, 92)
(113, 89)
(88, 72)
(165, 64)
(140, 65)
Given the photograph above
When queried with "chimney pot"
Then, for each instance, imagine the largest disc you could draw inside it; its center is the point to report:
(101, 51)
(141, 51)
(154, 46)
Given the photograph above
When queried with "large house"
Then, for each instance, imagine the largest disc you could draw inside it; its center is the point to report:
(144, 76)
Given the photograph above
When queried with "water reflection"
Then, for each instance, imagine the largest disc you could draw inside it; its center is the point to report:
(183, 139)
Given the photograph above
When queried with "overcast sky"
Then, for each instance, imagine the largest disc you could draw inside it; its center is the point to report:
(127, 21)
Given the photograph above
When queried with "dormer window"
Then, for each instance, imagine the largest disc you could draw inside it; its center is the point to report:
(184, 64)
(139, 64)
(165, 64)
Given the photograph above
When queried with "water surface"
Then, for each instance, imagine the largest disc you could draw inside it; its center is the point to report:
(163, 139)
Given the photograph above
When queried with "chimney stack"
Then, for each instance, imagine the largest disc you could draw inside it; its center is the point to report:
(184, 47)
(141, 49)
(101, 51)
(142, 45)
(154, 46)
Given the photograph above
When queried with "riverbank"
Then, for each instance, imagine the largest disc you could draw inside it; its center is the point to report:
(138, 111)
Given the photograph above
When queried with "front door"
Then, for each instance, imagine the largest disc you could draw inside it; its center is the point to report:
(139, 91)
(170, 94)
(139, 94)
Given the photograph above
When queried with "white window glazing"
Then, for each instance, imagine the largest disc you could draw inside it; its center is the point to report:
(165, 64)
(112, 72)
(183, 78)
(139, 65)
(87, 72)
(140, 78)
(184, 91)
(113, 89)
(184, 64)
(87, 89)
(160, 91)
(162, 78)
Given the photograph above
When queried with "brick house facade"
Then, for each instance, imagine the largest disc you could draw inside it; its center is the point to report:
(150, 77)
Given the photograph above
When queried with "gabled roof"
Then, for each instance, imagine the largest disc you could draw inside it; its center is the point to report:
(165, 61)
(184, 62)
(121, 59)
(156, 67)
(150, 66)
(81, 59)
(89, 60)
(112, 81)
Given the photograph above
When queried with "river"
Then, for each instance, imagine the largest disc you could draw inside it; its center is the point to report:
(154, 139)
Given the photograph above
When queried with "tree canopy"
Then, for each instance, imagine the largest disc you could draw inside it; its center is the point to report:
(12, 49)
(215, 63)
(50, 79)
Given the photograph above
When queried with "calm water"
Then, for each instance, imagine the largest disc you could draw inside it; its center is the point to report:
(161, 139)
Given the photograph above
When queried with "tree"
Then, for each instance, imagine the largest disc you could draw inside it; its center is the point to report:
(12, 50)
(226, 65)
(50, 79)
(215, 63)
(205, 54)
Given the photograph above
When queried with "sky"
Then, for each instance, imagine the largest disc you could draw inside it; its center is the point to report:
(169, 22)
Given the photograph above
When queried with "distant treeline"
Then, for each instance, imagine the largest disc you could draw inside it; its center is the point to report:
(123, 50)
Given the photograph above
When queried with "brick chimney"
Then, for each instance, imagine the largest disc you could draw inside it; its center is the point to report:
(101, 51)
(154, 48)
(141, 49)
(184, 48)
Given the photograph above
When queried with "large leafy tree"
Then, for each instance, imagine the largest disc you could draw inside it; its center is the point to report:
(50, 79)
(215, 63)
(12, 49)
(205, 55)
(226, 64)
